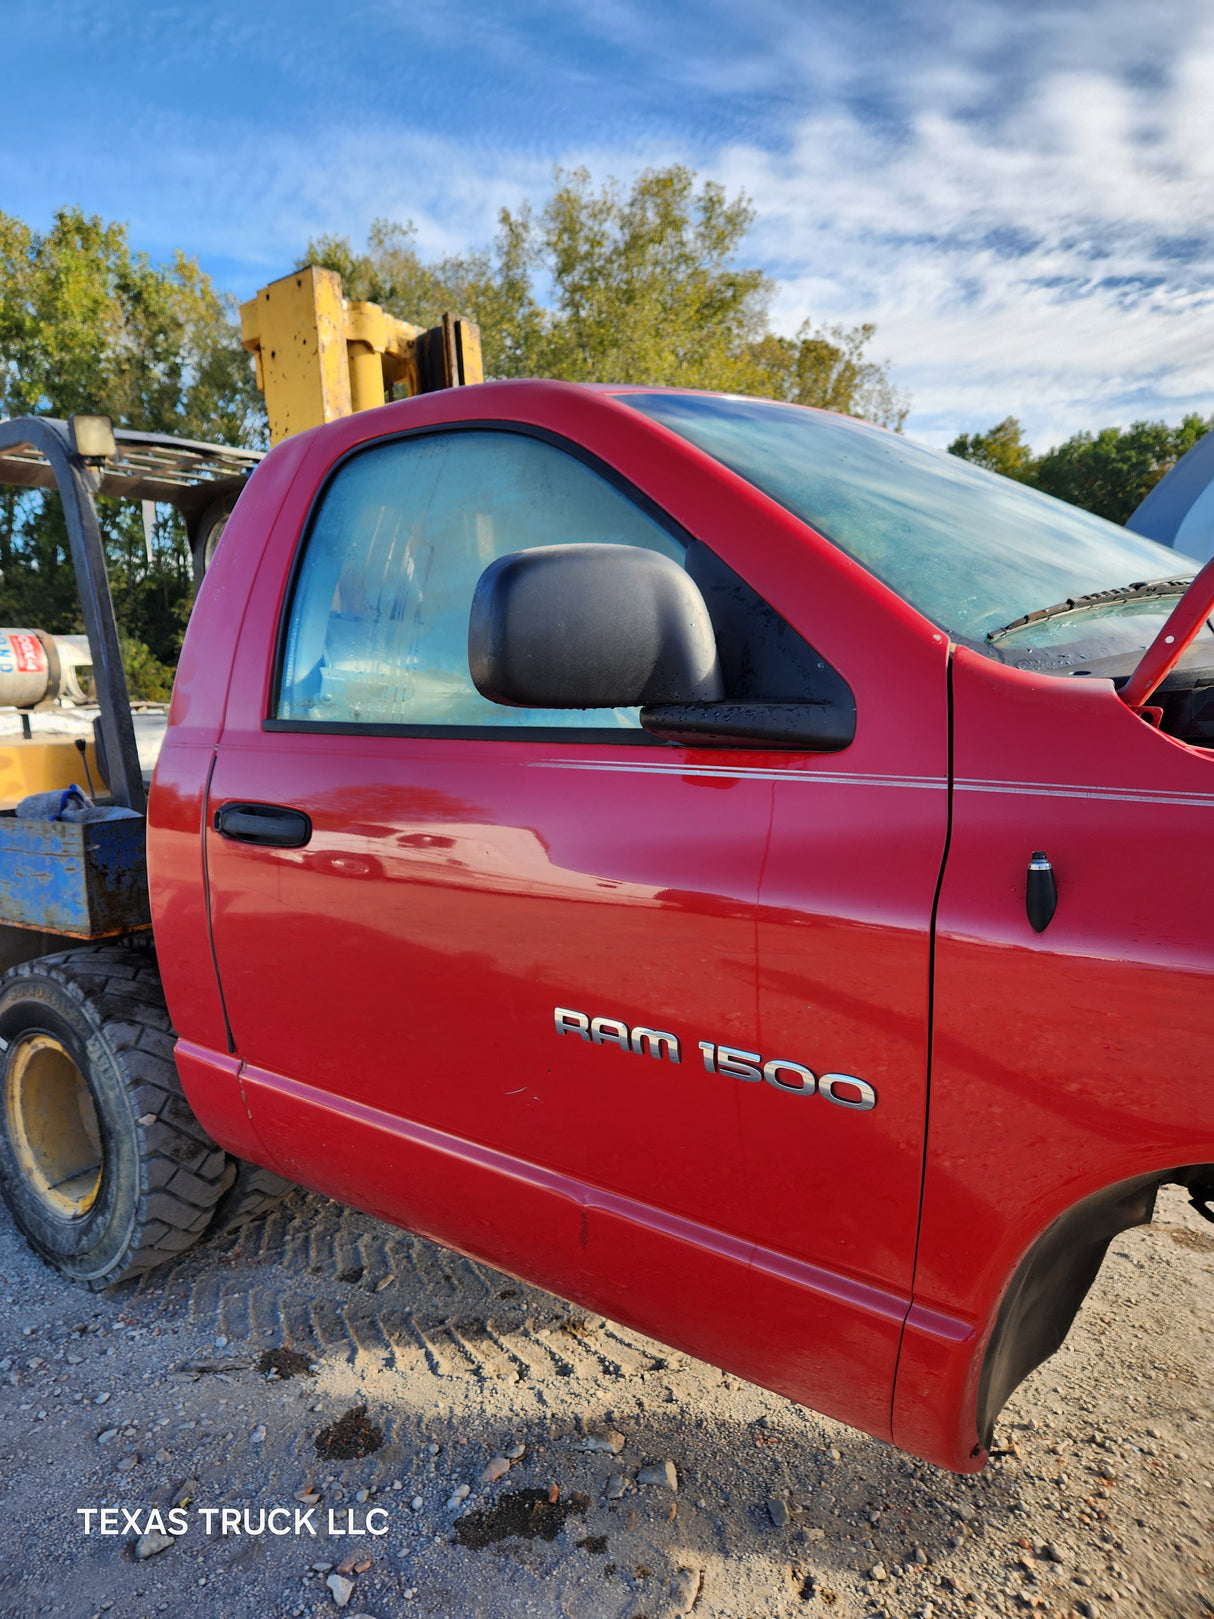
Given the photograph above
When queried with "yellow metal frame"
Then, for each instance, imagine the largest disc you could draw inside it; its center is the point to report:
(320, 357)
(44, 764)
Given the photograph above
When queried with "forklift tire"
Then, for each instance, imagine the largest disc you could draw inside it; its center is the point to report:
(208, 535)
(248, 1192)
(103, 1165)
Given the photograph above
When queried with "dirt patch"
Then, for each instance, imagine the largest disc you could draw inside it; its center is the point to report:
(352, 1277)
(595, 1544)
(350, 1438)
(529, 1514)
(286, 1363)
(1197, 1240)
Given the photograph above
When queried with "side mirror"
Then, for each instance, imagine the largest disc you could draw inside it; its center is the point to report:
(591, 626)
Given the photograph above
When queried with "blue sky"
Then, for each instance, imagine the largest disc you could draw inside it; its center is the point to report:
(1020, 195)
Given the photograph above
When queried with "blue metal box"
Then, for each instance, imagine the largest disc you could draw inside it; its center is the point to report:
(88, 879)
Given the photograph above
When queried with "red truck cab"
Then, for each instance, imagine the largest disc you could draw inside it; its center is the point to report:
(718, 1008)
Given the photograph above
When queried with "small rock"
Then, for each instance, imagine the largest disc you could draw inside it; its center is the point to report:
(341, 1587)
(661, 1474)
(1051, 1553)
(514, 1454)
(102, 1398)
(777, 1511)
(362, 1495)
(878, 1572)
(965, 1512)
(417, 1503)
(497, 1468)
(151, 1543)
(608, 1440)
(128, 1464)
(321, 1568)
(684, 1591)
(106, 1435)
(459, 1495)
(616, 1485)
(164, 1456)
(259, 1433)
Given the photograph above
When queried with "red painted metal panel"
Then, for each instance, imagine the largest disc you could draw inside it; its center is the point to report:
(177, 887)
(698, 1287)
(1067, 1061)
(452, 896)
(215, 1091)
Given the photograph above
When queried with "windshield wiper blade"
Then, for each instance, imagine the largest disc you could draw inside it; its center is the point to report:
(1134, 592)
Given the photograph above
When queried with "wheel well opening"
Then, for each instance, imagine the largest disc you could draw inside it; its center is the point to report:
(1054, 1278)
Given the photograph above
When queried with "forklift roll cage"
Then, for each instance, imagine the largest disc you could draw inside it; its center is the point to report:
(200, 480)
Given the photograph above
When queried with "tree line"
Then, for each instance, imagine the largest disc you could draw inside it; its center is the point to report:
(600, 284)
(1110, 472)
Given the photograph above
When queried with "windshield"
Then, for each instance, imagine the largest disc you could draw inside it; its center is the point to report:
(972, 551)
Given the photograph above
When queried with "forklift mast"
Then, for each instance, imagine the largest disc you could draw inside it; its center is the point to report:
(320, 357)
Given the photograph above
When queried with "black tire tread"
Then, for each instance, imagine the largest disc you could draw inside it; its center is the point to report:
(181, 1169)
(249, 1192)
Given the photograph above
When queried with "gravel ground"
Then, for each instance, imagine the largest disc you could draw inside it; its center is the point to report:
(631, 1482)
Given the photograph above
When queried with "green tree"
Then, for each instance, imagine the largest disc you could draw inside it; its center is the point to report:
(827, 368)
(643, 287)
(1110, 472)
(1000, 449)
(87, 325)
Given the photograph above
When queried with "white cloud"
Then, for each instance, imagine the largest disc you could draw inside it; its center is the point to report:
(1032, 261)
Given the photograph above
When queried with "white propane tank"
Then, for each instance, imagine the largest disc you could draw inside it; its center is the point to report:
(29, 668)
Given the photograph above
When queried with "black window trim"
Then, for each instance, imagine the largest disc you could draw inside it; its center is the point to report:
(462, 733)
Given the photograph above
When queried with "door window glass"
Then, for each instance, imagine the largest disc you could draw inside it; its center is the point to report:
(378, 627)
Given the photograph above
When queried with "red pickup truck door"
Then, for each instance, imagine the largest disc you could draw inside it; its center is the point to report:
(393, 986)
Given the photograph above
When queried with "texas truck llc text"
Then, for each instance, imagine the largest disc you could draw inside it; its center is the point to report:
(176, 1521)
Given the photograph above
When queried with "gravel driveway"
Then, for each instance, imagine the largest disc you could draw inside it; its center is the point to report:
(512, 1456)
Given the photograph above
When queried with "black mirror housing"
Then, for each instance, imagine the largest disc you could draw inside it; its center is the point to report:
(591, 626)
(817, 727)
